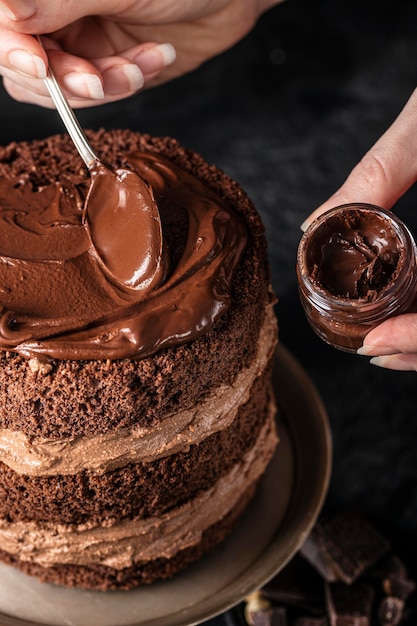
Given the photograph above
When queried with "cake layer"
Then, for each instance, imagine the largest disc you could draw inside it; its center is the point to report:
(120, 544)
(104, 578)
(133, 543)
(34, 456)
(141, 489)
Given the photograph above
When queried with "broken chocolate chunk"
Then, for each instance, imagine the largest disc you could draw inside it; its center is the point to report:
(345, 575)
(344, 546)
(349, 605)
(297, 585)
(395, 580)
(260, 612)
(274, 616)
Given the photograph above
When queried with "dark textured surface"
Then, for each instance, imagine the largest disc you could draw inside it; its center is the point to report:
(288, 113)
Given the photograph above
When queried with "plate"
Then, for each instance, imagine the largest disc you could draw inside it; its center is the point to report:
(273, 529)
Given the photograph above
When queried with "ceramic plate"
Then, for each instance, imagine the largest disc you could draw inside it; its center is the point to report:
(274, 527)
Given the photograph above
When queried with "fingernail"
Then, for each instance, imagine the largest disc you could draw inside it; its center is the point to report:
(27, 63)
(364, 350)
(395, 362)
(156, 58)
(122, 78)
(84, 85)
(379, 361)
(18, 9)
(305, 225)
(372, 349)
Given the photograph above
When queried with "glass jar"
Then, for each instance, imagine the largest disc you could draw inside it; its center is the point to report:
(356, 267)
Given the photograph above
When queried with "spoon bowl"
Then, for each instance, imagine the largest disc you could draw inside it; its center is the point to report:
(120, 212)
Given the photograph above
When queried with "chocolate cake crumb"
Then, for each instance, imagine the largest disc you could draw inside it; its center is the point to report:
(38, 366)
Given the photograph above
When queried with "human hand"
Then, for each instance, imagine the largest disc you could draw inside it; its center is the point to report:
(381, 178)
(106, 50)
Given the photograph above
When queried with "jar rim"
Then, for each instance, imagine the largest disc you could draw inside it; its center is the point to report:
(322, 297)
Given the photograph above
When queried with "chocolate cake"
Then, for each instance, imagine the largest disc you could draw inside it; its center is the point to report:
(136, 347)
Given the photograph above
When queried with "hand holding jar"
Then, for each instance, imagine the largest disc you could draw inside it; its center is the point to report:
(381, 177)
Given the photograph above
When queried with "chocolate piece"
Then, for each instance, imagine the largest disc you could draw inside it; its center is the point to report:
(349, 606)
(390, 611)
(260, 612)
(297, 585)
(395, 580)
(343, 546)
(275, 616)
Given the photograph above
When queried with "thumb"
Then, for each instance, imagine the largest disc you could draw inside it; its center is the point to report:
(385, 172)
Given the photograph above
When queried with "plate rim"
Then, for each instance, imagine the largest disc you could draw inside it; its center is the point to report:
(287, 372)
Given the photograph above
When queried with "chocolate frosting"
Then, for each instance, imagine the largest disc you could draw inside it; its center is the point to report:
(354, 255)
(142, 260)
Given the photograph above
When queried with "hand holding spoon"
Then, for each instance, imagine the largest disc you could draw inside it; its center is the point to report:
(120, 211)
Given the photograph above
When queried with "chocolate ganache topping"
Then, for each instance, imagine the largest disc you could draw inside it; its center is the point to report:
(136, 263)
(354, 255)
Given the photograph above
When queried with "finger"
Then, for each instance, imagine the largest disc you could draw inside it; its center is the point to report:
(399, 362)
(151, 58)
(386, 171)
(17, 10)
(22, 54)
(22, 94)
(27, 66)
(124, 74)
(78, 77)
(396, 334)
(97, 81)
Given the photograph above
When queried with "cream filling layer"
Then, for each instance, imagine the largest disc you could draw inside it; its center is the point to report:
(102, 453)
(121, 545)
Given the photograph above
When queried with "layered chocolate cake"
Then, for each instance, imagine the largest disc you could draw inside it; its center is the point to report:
(136, 342)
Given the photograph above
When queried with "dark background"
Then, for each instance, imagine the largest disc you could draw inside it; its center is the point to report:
(287, 113)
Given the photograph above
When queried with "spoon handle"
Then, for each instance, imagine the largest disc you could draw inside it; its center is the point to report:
(68, 117)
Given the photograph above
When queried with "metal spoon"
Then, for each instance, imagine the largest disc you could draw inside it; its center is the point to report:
(68, 117)
(121, 213)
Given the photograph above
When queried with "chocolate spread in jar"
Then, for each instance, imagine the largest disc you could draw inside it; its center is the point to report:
(355, 254)
(356, 266)
(64, 292)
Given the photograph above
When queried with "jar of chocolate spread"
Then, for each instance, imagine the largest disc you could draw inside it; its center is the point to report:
(356, 267)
